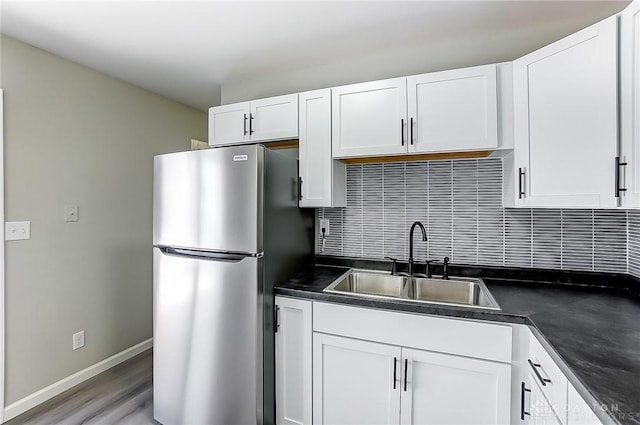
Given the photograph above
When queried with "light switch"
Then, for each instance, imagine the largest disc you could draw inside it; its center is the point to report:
(17, 230)
(70, 213)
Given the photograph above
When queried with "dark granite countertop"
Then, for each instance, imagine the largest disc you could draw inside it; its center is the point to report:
(593, 332)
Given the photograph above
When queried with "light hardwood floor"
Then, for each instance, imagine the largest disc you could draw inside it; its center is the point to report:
(120, 395)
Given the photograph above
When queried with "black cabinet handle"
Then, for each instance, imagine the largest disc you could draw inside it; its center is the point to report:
(411, 126)
(276, 325)
(299, 188)
(395, 361)
(619, 189)
(521, 178)
(402, 131)
(245, 124)
(250, 123)
(535, 366)
(405, 374)
(523, 412)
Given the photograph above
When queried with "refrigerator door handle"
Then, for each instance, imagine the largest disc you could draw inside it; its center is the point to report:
(232, 257)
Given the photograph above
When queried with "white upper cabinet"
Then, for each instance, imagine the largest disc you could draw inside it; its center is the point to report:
(229, 124)
(630, 105)
(566, 122)
(453, 110)
(322, 179)
(274, 118)
(370, 119)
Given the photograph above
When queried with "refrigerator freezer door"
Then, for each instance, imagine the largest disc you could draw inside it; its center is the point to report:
(207, 340)
(209, 199)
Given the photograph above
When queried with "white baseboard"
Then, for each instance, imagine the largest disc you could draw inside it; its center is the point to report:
(63, 385)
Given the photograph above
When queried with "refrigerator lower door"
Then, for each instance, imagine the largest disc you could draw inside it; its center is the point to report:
(207, 334)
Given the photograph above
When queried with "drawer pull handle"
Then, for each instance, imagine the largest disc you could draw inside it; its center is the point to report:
(535, 366)
(523, 412)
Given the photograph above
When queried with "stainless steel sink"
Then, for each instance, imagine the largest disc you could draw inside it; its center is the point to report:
(369, 283)
(459, 291)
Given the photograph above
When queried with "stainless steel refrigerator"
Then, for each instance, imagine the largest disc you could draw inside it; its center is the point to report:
(226, 228)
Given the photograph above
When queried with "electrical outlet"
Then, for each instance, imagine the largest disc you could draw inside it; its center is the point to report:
(70, 213)
(78, 340)
(324, 224)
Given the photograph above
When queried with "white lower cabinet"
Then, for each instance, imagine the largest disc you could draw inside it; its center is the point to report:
(536, 409)
(355, 382)
(445, 389)
(372, 373)
(362, 382)
(578, 411)
(546, 396)
(293, 361)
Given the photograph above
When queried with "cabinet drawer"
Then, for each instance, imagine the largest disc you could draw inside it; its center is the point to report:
(453, 336)
(548, 375)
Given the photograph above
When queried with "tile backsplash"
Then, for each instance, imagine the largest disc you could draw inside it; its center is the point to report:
(460, 204)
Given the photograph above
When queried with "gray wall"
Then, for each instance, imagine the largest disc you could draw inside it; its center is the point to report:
(460, 204)
(76, 136)
(434, 49)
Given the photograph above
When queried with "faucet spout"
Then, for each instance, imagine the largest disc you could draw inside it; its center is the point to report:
(424, 238)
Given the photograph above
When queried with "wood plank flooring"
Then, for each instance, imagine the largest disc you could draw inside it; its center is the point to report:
(120, 395)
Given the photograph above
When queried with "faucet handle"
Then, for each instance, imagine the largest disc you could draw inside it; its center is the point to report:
(393, 267)
(445, 268)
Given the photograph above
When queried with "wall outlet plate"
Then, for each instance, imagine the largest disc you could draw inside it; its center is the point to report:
(78, 340)
(324, 223)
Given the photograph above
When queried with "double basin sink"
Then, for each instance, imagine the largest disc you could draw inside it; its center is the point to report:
(457, 291)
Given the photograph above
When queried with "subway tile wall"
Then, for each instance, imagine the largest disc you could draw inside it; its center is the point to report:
(460, 204)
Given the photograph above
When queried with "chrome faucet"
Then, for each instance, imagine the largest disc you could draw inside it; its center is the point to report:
(424, 238)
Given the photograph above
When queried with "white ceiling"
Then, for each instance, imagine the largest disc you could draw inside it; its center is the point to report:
(187, 51)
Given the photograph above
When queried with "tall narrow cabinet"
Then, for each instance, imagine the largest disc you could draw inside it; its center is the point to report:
(322, 178)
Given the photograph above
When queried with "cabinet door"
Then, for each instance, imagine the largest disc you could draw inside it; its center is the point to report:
(446, 389)
(229, 124)
(274, 118)
(540, 410)
(566, 120)
(323, 179)
(578, 411)
(453, 110)
(370, 119)
(293, 362)
(353, 381)
(630, 104)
